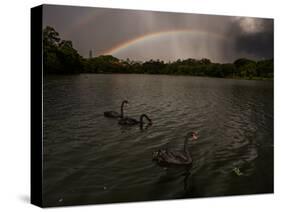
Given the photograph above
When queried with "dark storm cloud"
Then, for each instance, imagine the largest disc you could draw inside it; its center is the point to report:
(220, 38)
(254, 38)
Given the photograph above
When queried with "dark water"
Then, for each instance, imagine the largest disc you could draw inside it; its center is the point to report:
(91, 159)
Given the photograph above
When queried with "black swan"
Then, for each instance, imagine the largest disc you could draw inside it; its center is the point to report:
(170, 157)
(114, 114)
(131, 121)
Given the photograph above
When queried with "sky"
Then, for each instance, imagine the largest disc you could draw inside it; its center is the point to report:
(144, 35)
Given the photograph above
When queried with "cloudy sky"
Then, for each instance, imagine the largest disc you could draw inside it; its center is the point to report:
(145, 35)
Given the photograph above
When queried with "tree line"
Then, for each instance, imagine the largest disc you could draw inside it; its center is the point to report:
(61, 58)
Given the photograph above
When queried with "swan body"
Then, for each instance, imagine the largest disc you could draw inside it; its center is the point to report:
(114, 114)
(111, 114)
(128, 121)
(166, 157)
(172, 157)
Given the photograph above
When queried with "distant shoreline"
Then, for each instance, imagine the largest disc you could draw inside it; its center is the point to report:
(234, 78)
(59, 57)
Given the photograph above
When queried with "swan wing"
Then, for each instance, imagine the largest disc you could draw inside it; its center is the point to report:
(173, 157)
(128, 121)
(181, 157)
(111, 114)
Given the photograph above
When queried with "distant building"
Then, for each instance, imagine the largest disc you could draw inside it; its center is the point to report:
(90, 54)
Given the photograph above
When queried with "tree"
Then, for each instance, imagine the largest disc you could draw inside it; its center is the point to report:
(205, 61)
(50, 37)
(265, 68)
(246, 67)
(59, 55)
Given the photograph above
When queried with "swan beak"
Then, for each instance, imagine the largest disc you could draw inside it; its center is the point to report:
(195, 136)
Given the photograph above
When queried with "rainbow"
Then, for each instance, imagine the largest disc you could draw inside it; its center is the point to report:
(158, 34)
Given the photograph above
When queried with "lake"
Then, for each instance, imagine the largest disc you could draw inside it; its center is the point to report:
(91, 159)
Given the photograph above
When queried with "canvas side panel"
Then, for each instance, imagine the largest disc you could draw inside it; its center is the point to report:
(36, 105)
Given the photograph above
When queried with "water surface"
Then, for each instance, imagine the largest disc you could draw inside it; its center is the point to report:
(91, 159)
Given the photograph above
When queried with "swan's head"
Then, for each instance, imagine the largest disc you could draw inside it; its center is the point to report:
(149, 121)
(125, 102)
(192, 136)
(155, 155)
(147, 118)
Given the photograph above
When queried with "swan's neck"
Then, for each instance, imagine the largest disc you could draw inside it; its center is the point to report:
(141, 122)
(122, 110)
(141, 118)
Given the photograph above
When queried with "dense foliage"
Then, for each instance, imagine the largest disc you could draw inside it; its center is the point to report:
(61, 58)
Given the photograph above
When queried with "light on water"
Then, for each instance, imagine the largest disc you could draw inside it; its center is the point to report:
(91, 159)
